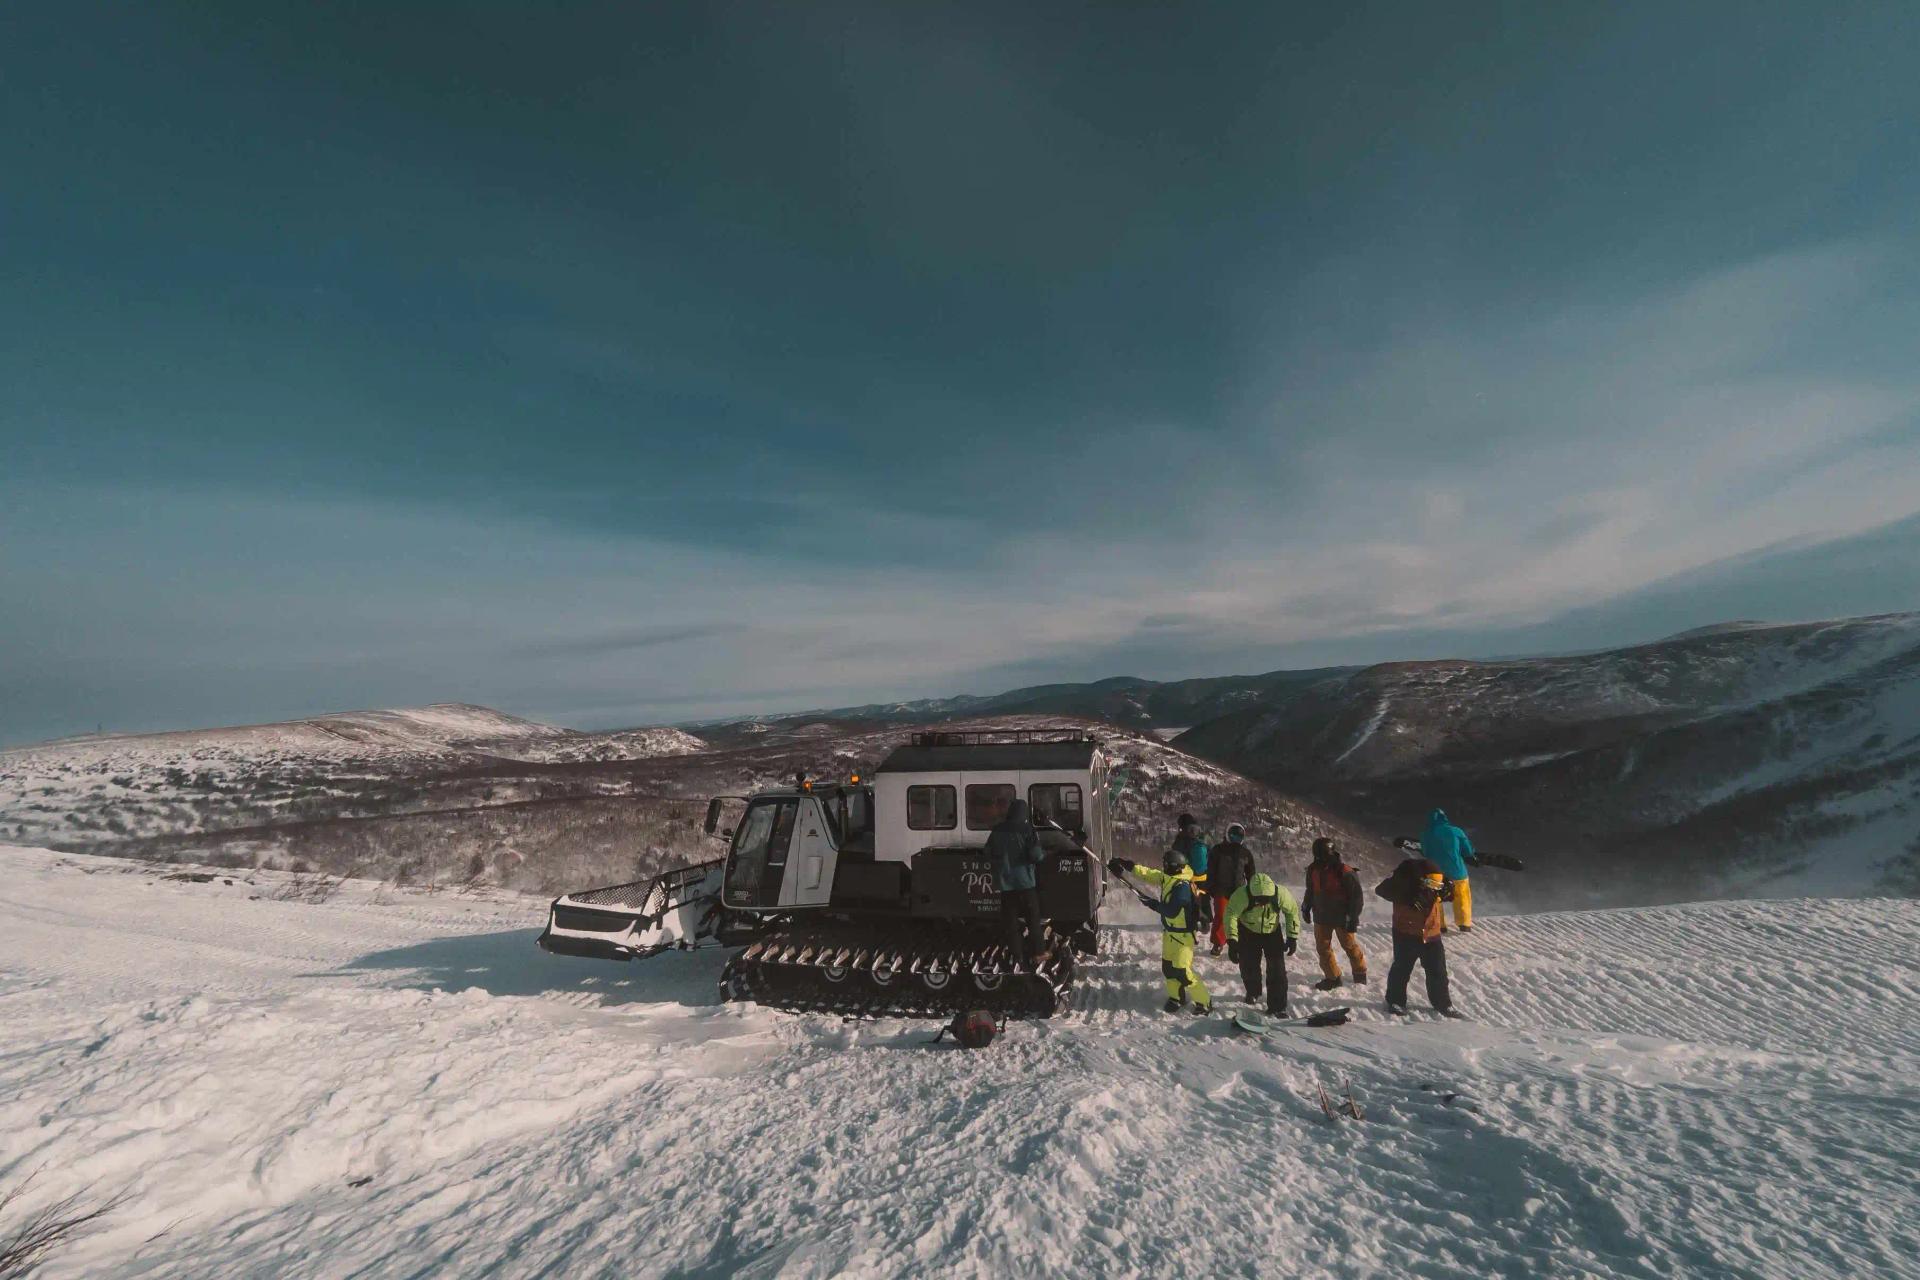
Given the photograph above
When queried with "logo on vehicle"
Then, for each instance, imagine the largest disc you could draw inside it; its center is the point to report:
(976, 882)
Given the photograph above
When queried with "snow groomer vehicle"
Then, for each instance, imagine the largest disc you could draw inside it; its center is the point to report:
(874, 896)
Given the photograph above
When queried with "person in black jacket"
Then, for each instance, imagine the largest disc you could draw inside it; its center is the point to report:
(1332, 904)
(1229, 866)
(1014, 847)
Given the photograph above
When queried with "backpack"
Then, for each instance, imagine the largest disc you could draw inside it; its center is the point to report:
(974, 1029)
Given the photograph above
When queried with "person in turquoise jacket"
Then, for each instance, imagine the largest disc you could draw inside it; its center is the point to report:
(1448, 848)
(1191, 843)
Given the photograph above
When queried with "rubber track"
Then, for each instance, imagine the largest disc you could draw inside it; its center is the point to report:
(805, 988)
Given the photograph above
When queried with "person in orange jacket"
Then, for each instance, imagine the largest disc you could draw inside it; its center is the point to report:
(1416, 889)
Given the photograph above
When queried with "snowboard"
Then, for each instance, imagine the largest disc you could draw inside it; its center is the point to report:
(1264, 1026)
(1500, 861)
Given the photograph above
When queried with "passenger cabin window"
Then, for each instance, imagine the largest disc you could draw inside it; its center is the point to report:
(931, 809)
(1059, 801)
(987, 804)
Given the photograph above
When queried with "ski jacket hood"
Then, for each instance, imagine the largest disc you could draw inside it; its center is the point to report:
(1014, 847)
(1446, 845)
(1261, 906)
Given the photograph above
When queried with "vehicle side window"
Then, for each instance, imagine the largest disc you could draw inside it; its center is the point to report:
(987, 804)
(1060, 801)
(931, 808)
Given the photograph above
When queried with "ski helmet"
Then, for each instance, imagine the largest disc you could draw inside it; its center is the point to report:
(1186, 820)
(1324, 847)
(1236, 833)
(1173, 862)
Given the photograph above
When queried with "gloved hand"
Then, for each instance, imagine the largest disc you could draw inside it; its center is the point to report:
(1352, 924)
(1233, 950)
(1293, 944)
(1118, 866)
(1306, 913)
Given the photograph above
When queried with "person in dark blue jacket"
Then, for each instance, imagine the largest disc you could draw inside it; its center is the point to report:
(1448, 848)
(1014, 847)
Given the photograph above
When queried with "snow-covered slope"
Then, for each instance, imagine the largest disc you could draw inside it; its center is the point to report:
(408, 1087)
(618, 744)
(98, 791)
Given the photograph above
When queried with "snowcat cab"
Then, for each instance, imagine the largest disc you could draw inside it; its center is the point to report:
(876, 895)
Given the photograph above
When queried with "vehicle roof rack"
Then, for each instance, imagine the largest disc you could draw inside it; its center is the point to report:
(979, 737)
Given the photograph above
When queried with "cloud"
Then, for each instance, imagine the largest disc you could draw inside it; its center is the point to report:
(1470, 482)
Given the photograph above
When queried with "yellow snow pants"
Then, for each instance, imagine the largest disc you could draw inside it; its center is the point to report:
(1462, 905)
(1323, 936)
(1176, 965)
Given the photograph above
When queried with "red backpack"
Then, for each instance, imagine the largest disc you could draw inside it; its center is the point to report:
(974, 1029)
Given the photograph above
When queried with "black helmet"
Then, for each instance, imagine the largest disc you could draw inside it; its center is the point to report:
(1173, 862)
(1324, 847)
(1186, 820)
(1236, 833)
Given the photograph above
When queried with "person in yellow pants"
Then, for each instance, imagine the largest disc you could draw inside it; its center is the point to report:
(1332, 905)
(1463, 905)
(1178, 917)
(1450, 849)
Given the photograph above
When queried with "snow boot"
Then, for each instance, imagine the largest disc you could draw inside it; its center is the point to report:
(1450, 1012)
(1328, 984)
(1281, 1012)
(1216, 951)
(1466, 928)
(1399, 1009)
(1202, 1010)
(1172, 1005)
(1360, 978)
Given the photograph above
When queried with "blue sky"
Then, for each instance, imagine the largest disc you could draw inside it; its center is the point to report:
(613, 364)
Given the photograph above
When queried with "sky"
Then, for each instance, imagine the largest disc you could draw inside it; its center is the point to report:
(615, 364)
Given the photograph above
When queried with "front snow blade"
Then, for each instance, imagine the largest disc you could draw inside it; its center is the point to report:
(634, 921)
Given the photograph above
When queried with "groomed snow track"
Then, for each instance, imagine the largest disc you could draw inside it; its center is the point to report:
(389, 1085)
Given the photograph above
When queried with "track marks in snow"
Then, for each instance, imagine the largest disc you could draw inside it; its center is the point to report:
(1642, 1097)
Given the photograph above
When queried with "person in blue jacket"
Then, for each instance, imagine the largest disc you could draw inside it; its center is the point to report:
(1014, 847)
(1448, 848)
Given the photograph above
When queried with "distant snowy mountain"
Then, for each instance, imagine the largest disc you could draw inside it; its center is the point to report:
(1742, 758)
(392, 1083)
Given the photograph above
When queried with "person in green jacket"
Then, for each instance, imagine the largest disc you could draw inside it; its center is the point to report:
(1263, 923)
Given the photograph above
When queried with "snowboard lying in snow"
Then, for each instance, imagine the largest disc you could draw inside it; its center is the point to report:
(1262, 1026)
